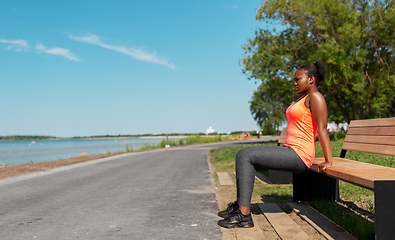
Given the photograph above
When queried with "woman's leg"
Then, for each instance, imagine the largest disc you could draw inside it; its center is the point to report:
(248, 160)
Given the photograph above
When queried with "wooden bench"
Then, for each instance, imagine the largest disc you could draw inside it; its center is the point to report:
(283, 135)
(370, 136)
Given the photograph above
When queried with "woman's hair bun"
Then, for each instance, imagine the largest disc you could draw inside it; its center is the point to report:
(320, 65)
(317, 70)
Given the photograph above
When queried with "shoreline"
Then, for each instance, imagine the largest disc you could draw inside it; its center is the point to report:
(164, 137)
(142, 137)
(24, 168)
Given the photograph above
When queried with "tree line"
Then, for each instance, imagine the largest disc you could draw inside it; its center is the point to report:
(34, 137)
(26, 137)
(354, 38)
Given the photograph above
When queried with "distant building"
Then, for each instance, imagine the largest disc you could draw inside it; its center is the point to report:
(209, 130)
(333, 127)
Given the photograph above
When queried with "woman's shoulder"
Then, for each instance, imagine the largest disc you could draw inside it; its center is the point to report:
(317, 97)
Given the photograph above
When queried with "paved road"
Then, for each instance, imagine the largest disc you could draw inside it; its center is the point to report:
(161, 194)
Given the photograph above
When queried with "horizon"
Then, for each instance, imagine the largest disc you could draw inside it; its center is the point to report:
(126, 135)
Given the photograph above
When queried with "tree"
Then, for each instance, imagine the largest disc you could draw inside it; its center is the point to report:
(268, 107)
(355, 38)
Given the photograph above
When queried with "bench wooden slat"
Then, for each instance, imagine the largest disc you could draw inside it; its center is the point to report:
(283, 135)
(364, 174)
(382, 122)
(370, 148)
(379, 140)
(377, 131)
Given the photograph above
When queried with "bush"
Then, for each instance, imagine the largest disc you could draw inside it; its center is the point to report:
(335, 136)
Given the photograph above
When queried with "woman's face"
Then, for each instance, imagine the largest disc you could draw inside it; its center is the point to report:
(301, 81)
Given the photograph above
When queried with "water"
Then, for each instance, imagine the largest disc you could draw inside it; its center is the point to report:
(26, 151)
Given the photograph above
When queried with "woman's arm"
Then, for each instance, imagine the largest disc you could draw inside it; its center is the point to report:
(319, 110)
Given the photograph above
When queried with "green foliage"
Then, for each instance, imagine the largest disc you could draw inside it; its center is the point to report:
(173, 142)
(335, 136)
(193, 139)
(148, 147)
(355, 39)
(104, 153)
(354, 193)
(129, 149)
(277, 193)
(204, 139)
(25, 137)
(268, 107)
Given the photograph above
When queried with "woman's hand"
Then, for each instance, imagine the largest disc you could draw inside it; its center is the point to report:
(322, 166)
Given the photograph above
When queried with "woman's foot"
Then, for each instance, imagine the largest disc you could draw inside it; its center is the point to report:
(237, 219)
(232, 207)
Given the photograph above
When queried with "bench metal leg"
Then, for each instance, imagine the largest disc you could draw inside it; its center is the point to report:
(280, 177)
(309, 186)
(384, 200)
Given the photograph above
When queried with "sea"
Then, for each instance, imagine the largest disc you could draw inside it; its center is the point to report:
(27, 151)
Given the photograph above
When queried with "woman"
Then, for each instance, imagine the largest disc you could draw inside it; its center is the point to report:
(306, 117)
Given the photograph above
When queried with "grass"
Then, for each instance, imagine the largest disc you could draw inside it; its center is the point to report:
(193, 139)
(388, 161)
(345, 213)
(358, 226)
(224, 158)
(104, 153)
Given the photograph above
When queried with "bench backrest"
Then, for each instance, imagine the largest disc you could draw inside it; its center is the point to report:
(371, 136)
(281, 139)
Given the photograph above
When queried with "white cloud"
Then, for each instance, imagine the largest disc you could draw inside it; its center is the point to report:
(62, 52)
(16, 45)
(56, 51)
(22, 45)
(137, 54)
(40, 48)
(232, 6)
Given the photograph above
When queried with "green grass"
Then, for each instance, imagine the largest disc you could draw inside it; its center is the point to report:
(193, 139)
(224, 160)
(278, 193)
(106, 152)
(388, 161)
(353, 223)
(147, 147)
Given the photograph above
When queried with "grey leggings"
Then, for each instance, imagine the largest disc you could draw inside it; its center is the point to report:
(248, 160)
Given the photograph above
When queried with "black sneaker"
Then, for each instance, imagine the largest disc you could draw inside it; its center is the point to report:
(237, 219)
(232, 207)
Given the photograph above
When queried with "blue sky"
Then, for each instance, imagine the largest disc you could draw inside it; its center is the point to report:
(81, 68)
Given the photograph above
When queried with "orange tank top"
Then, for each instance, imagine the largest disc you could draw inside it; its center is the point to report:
(301, 131)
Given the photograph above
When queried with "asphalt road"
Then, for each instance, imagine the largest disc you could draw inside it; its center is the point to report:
(160, 194)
